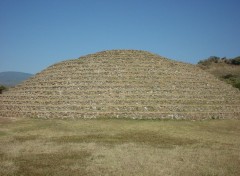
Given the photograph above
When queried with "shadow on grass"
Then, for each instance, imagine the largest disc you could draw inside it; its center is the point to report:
(60, 163)
(146, 137)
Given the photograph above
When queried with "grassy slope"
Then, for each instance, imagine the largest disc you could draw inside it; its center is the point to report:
(119, 147)
(220, 70)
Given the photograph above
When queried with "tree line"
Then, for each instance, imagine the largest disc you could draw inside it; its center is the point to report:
(215, 59)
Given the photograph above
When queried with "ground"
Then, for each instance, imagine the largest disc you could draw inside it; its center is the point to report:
(119, 147)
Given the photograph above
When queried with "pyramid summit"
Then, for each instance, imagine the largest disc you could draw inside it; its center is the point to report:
(122, 84)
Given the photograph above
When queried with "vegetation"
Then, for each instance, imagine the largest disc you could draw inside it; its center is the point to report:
(119, 147)
(225, 69)
(232, 79)
(215, 59)
(2, 88)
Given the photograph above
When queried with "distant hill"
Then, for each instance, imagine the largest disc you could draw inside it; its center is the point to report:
(12, 78)
(224, 69)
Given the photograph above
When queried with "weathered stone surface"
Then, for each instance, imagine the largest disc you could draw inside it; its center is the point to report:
(122, 84)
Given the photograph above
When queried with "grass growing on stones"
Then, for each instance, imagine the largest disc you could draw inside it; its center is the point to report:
(119, 147)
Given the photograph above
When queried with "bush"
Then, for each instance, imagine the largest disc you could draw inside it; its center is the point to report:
(236, 61)
(2, 88)
(228, 76)
(237, 85)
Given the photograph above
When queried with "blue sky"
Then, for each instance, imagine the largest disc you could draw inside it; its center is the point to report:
(35, 34)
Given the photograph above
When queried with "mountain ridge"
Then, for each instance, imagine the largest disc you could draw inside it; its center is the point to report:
(12, 78)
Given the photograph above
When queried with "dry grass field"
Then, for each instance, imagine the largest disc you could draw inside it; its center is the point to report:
(119, 147)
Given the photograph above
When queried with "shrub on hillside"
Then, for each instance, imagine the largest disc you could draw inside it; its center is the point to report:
(2, 88)
(236, 61)
(228, 76)
(234, 80)
(237, 85)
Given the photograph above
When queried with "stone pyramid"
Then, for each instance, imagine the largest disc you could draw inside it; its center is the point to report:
(122, 84)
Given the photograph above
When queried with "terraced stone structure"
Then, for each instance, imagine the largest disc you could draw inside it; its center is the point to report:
(122, 84)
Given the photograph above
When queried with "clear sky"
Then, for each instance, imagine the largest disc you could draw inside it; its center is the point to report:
(35, 34)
